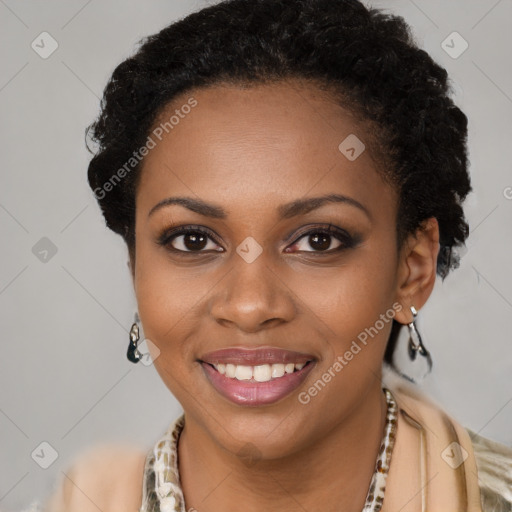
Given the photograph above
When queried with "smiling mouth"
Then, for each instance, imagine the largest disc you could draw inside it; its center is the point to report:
(256, 376)
(256, 386)
(259, 373)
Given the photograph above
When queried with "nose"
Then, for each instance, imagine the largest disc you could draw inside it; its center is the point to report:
(253, 298)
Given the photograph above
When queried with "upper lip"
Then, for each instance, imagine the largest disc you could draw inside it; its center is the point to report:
(255, 356)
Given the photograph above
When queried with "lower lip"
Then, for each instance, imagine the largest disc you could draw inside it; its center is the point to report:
(252, 393)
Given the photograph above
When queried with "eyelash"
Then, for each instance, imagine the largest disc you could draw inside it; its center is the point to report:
(347, 241)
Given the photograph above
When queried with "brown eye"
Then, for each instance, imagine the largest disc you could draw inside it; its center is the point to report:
(189, 240)
(193, 241)
(320, 240)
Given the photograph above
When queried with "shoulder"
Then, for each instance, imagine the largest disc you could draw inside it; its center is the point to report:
(492, 460)
(494, 463)
(107, 477)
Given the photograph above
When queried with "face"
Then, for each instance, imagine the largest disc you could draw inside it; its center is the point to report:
(254, 260)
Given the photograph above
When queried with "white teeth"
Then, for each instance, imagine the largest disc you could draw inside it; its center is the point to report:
(243, 372)
(230, 370)
(277, 370)
(260, 373)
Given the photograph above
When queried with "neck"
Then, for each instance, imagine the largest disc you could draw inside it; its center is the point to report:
(332, 473)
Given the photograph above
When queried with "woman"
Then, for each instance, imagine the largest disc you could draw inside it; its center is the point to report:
(288, 178)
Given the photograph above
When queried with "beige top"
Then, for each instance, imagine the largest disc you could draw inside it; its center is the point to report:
(114, 478)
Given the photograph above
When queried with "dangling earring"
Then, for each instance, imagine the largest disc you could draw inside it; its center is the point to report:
(133, 353)
(416, 345)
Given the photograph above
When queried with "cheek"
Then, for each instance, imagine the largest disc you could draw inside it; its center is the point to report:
(172, 307)
(164, 306)
(349, 300)
(163, 298)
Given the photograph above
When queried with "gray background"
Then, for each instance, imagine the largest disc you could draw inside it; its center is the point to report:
(64, 377)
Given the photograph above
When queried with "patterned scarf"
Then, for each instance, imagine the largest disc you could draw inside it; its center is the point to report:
(162, 489)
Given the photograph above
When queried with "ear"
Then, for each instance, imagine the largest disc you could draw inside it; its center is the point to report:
(417, 269)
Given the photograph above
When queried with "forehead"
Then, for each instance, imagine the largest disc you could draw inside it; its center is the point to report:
(259, 144)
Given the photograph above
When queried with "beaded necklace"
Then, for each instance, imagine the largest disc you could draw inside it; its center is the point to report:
(162, 489)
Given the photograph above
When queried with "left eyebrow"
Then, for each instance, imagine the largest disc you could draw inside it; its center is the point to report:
(302, 206)
(285, 211)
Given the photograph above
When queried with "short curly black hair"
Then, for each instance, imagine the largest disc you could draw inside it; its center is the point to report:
(366, 56)
(363, 54)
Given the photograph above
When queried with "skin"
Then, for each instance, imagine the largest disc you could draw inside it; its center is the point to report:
(249, 151)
